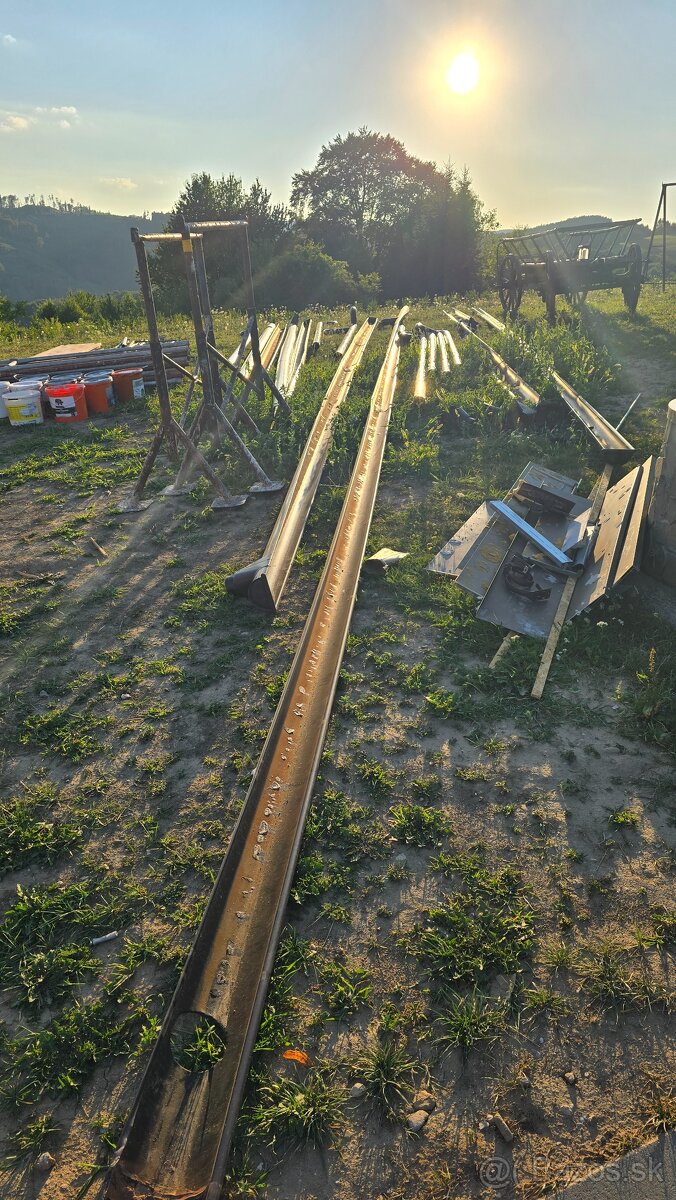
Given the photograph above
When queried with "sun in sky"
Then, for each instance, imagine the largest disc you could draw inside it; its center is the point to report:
(463, 72)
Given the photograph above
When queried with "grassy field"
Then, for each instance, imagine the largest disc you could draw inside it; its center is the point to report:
(483, 909)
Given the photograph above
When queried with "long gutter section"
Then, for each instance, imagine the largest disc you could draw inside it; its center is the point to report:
(178, 1136)
(615, 447)
(264, 580)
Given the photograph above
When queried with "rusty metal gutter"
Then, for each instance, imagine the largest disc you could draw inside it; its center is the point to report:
(177, 1139)
(526, 396)
(614, 445)
(264, 580)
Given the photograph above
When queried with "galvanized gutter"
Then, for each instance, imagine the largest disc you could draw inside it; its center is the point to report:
(178, 1137)
(264, 580)
(614, 445)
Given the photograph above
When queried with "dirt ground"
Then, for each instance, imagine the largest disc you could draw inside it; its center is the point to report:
(136, 694)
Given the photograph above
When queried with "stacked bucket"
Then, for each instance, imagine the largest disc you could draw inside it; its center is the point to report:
(68, 398)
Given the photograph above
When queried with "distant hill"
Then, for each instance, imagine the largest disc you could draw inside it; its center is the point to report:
(46, 252)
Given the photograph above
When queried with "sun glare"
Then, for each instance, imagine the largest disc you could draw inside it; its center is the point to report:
(462, 75)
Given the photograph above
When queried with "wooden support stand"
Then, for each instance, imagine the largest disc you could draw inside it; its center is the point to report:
(210, 418)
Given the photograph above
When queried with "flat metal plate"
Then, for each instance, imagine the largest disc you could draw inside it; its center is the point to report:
(451, 557)
(480, 545)
(605, 555)
(633, 542)
(531, 617)
(500, 606)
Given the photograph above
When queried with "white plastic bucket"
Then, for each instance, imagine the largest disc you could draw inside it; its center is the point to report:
(3, 388)
(23, 403)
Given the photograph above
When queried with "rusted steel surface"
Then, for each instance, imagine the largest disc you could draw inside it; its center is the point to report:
(263, 581)
(178, 1136)
(614, 445)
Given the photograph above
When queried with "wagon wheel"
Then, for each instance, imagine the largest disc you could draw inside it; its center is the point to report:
(632, 288)
(510, 284)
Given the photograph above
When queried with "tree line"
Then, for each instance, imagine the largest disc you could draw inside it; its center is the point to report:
(368, 221)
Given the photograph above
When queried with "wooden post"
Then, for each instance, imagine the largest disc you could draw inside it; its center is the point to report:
(659, 559)
(567, 593)
(155, 343)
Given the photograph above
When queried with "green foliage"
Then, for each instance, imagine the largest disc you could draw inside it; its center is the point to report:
(468, 1021)
(370, 202)
(196, 1042)
(386, 1069)
(62, 731)
(305, 275)
(345, 987)
(651, 701)
(306, 1110)
(419, 826)
(486, 926)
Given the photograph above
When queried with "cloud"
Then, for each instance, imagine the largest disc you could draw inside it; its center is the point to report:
(119, 181)
(13, 123)
(63, 117)
(64, 110)
(6, 39)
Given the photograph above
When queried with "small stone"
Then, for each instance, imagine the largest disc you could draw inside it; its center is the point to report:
(424, 1102)
(566, 1110)
(357, 1091)
(502, 987)
(502, 1127)
(45, 1162)
(417, 1121)
(125, 696)
(44, 694)
(400, 860)
(570, 1078)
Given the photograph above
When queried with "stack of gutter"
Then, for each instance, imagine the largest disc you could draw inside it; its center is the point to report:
(436, 350)
(117, 358)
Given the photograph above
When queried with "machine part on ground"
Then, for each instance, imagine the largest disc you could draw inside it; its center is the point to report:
(601, 535)
(519, 577)
(264, 580)
(534, 536)
(569, 260)
(177, 1138)
(614, 446)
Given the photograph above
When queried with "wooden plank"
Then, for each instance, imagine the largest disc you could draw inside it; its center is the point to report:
(69, 348)
(567, 594)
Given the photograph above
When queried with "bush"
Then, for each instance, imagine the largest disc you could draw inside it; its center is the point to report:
(304, 275)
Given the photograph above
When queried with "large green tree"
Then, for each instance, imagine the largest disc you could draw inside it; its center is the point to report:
(370, 202)
(205, 198)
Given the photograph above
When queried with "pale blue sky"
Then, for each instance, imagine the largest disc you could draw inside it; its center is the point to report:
(115, 104)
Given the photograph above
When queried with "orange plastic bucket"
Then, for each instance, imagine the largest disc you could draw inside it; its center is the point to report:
(67, 402)
(98, 387)
(128, 384)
